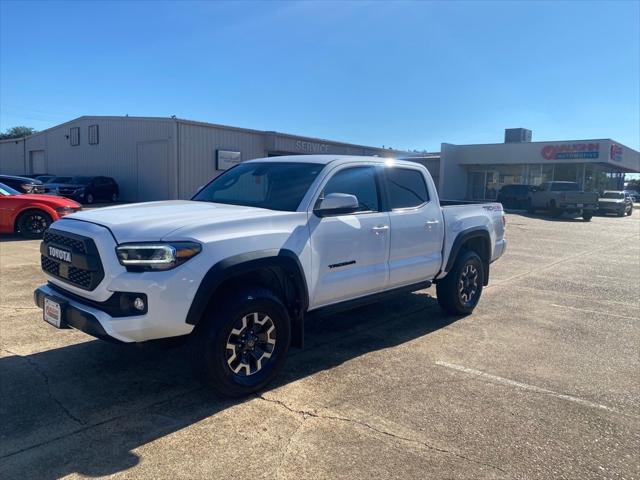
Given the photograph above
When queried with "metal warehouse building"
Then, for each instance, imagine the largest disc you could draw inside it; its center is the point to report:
(155, 158)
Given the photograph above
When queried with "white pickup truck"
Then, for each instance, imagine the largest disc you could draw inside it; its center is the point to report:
(239, 267)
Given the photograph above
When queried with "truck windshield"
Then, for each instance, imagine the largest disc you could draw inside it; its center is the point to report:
(565, 187)
(613, 195)
(270, 185)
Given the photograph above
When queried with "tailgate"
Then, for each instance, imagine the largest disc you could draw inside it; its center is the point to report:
(581, 197)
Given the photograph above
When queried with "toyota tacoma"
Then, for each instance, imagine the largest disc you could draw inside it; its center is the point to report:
(239, 266)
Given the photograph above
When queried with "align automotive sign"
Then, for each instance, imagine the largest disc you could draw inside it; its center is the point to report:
(570, 151)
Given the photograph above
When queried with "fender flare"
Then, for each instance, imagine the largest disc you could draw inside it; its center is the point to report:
(461, 239)
(244, 263)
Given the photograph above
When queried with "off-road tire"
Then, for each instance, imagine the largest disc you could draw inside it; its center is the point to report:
(554, 211)
(448, 289)
(210, 343)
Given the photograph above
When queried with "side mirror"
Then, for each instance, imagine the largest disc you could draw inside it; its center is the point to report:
(337, 204)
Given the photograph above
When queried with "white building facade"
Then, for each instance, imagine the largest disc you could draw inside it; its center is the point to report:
(477, 172)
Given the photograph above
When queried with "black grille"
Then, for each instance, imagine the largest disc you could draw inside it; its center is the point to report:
(49, 265)
(79, 277)
(85, 270)
(64, 241)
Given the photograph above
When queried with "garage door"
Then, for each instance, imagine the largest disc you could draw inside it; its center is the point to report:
(37, 162)
(153, 171)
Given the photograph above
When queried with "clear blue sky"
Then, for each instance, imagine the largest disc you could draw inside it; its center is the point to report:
(403, 74)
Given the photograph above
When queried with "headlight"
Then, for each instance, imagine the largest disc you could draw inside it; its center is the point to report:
(27, 187)
(139, 257)
(62, 211)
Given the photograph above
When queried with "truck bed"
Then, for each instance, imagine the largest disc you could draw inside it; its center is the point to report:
(462, 216)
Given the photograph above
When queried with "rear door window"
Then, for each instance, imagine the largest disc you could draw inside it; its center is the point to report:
(406, 188)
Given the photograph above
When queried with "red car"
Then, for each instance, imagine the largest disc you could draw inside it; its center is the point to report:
(30, 215)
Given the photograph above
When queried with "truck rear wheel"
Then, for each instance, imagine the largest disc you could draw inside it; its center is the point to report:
(556, 212)
(459, 292)
(529, 206)
(243, 343)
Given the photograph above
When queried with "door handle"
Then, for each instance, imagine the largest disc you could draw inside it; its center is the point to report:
(380, 228)
(432, 222)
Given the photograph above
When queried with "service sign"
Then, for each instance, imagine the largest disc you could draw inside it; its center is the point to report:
(312, 147)
(615, 153)
(225, 159)
(571, 151)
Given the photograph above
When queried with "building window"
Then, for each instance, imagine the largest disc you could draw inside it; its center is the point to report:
(74, 136)
(93, 135)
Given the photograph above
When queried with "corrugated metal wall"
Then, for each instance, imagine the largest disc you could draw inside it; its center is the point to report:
(197, 152)
(115, 155)
(185, 149)
(12, 157)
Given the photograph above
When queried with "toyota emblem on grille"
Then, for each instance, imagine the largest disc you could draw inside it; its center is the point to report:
(60, 254)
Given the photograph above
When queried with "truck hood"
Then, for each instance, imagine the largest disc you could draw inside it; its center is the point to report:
(153, 221)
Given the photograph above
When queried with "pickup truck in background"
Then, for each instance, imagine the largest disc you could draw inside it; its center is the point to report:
(240, 266)
(615, 201)
(563, 197)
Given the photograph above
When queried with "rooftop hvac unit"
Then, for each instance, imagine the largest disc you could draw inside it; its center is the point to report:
(517, 135)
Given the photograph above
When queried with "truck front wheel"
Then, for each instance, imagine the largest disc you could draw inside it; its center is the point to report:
(243, 343)
(459, 292)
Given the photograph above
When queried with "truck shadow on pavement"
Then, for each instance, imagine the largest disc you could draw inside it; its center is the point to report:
(85, 408)
(547, 217)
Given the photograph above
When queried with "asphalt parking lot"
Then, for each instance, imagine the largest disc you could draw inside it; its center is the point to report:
(542, 381)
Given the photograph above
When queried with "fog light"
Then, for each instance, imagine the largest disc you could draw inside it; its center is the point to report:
(138, 304)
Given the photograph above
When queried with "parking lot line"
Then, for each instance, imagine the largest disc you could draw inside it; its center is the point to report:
(526, 386)
(547, 266)
(594, 311)
(573, 295)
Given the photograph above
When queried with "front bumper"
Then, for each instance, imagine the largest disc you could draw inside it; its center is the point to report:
(614, 208)
(76, 316)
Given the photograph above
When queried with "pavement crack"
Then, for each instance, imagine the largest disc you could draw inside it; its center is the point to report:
(310, 413)
(50, 394)
(287, 448)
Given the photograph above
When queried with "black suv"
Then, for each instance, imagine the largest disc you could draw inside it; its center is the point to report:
(90, 189)
(514, 196)
(22, 184)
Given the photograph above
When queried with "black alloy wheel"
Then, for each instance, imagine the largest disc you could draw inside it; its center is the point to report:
(33, 223)
(251, 344)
